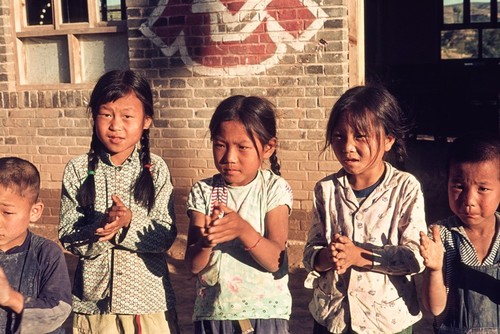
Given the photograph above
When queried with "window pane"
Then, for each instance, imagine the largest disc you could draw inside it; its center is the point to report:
(102, 53)
(39, 12)
(491, 43)
(459, 44)
(480, 11)
(112, 10)
(453, 11)
(498, 11)
(46, 60)
(74, 11)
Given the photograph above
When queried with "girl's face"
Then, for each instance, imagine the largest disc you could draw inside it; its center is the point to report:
(474, 191)
(119, 126)
(235, 155)
(360, 154)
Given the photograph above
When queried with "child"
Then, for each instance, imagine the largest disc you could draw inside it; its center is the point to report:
(462, 277)
(35, 290)
(363, 243)
(117, 216)
(239, 226)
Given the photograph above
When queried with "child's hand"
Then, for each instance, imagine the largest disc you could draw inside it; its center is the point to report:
(9, 297)
(345, 253)
(119, 216)
(4, 289)
(432, 249)
(228, 227)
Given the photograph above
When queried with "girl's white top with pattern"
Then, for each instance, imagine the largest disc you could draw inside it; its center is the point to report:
(382, 299)
(233, 286)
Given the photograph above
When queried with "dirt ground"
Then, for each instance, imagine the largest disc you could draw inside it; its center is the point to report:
(184, 287)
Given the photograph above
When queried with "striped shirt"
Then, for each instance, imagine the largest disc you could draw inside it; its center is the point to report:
(456, 243)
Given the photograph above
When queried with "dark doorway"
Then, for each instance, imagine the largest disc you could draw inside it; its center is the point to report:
(444, 98)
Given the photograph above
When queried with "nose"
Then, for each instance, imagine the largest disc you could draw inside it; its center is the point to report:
(116, 124)
(230, 156)
(348, 144)
(468, 199)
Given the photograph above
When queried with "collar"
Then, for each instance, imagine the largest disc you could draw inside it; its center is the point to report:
(21, 248)
(106, 157)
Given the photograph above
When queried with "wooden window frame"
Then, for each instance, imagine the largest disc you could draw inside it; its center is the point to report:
(468, 25)
(58, 28)
(356, 28)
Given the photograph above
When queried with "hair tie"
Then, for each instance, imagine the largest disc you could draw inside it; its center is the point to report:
(147, 166)
(90, 172)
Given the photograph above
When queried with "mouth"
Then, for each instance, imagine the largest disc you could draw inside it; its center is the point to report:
(115, 140)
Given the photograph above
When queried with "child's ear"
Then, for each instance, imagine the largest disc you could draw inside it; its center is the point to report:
(270, 147)
(147, 122)
(36, 211)
(388, 142)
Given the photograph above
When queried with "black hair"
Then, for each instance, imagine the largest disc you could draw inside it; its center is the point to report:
(474, 148)
(21, 176)
(369, 108)
(257, 115)
(110, 87)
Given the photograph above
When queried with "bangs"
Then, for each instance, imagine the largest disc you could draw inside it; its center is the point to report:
(361, 120)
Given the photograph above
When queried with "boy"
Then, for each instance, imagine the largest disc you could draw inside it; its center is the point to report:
(35, 290)
(461, 281)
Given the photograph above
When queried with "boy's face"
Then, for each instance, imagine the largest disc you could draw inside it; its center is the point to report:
(474, 191)
(16, 212)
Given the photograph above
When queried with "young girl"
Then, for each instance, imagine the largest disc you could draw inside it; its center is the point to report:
(117, 216)
(239, 226)
(364, 240)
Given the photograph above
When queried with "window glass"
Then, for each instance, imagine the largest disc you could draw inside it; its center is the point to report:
(459, 44)
(453, 11)
(102, 53)
(46, 59)
(491, 43)
(112, 10)
(480, 11)
(74, 11)
(39, 12)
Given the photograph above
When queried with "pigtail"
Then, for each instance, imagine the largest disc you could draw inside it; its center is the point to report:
(275, 166)
(144, 190)
(86, 193)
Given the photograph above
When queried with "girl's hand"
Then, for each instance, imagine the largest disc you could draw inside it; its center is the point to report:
(432, 249)
(345, 253)
(229, 227)
(119, 216)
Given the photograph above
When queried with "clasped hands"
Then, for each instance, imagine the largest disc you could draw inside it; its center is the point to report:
(343, 253)
(222, 225)
(117, 217)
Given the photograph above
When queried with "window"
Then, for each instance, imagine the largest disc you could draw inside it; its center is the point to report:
(470, 30)
(69, 41)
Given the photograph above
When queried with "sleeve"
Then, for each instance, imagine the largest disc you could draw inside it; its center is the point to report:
(404, 258)
(279, 193)
(316, 239)
(76, 227)
(52, 306)
(199, 197)
(153, 232)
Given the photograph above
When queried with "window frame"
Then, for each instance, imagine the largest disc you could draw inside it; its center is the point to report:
(494, 23)
(22, 30)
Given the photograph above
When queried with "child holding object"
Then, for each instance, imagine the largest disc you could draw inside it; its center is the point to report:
(461, 282)
(117, 216)
(363, 244)
(239, 226)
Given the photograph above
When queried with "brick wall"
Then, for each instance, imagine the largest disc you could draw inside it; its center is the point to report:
(51, 126)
